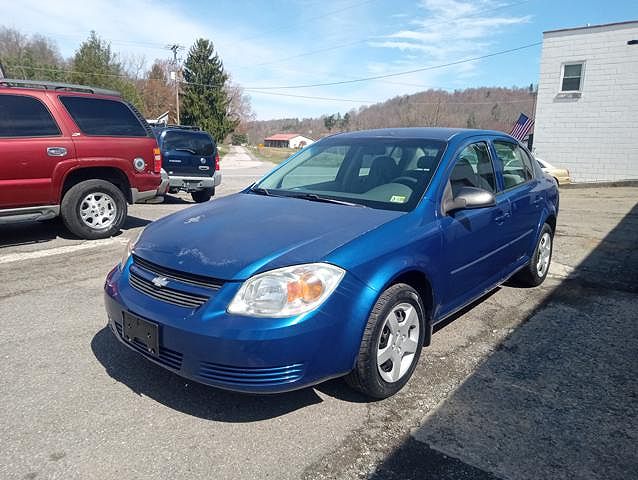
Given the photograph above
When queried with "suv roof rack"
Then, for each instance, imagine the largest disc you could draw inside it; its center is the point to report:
(67, 87)
(181, 127)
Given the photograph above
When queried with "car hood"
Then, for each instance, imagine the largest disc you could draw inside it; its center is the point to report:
(237, 236)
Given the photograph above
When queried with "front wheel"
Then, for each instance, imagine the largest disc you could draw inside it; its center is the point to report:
(201, 196)
(535, 272)
(94, 209)
(391, 344)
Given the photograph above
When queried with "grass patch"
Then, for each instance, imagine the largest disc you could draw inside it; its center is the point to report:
(222, 150)
(274, 155)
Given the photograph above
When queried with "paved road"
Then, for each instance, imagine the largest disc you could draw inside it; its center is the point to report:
(537, 383)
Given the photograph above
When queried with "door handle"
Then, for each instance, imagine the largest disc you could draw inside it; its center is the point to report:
(56, 151)
(502, 218)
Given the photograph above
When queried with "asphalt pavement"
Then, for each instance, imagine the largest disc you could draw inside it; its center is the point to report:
(529, 383)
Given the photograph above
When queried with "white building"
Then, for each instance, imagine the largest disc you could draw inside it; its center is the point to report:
(587, 105)
(287, 140)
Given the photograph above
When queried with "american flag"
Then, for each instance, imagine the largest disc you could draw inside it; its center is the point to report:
(522, 127)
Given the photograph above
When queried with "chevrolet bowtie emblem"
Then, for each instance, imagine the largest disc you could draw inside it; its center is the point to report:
(160, 282)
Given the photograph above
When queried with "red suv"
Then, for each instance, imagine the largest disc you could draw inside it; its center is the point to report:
(79, 152)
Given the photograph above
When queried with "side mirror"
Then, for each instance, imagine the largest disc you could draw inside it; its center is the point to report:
(469, 198)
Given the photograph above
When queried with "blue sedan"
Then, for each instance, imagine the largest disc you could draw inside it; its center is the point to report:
(337, 263)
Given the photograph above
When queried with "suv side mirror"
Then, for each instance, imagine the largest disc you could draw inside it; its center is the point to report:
(469, 198)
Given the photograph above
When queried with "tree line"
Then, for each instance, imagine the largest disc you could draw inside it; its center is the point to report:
(208, 96)
(495, 108)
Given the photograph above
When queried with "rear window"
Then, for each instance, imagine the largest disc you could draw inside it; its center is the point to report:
(195, 143)
(22, 116)
(100, 117)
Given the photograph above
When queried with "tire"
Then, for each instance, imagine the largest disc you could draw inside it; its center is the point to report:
(201, 196)
(532, 274)
(94, 209)
(367, 375)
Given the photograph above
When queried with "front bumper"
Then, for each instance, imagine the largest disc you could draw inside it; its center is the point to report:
(192, 184)
(247, 354)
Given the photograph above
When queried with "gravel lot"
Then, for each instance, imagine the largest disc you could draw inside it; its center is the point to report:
(529, 383)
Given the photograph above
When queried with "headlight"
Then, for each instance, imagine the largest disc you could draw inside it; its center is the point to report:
(286, 291)
(129, 250)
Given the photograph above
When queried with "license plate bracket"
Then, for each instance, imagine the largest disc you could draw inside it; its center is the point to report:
(142, 332)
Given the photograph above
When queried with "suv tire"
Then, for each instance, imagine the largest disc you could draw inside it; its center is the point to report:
(404, 338)
(94, 209)
(201, 196)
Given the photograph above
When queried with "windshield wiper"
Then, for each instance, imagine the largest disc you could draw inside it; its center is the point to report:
(184, 149)
(261, 191)
(318, 198)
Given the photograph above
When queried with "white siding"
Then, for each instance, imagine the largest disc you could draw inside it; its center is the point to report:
(296, 142)
(594, 136)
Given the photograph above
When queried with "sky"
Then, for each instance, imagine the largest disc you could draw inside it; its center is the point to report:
(269, 45)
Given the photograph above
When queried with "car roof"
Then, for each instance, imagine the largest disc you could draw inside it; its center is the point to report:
(430, 133)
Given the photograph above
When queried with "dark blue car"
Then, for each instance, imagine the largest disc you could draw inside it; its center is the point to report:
(337, 263)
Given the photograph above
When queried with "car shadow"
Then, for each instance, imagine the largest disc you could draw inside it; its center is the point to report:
(145, 378)
(31, 233)
(175, 200)
(556, 398)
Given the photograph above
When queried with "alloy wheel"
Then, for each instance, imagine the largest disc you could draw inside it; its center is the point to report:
(398, 342)
(98, 210)
(544, 253)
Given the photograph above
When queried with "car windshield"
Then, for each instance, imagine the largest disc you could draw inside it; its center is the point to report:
(197, 143)
(384, 173)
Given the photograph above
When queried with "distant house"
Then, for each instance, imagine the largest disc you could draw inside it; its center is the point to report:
(587, 101)
(287, 140)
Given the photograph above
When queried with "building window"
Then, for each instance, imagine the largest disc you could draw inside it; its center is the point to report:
(572, 77)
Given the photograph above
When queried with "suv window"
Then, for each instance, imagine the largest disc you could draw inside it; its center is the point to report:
(516, 165)
(22, 116)
(473, 168)
(100, 117)
(197, 143)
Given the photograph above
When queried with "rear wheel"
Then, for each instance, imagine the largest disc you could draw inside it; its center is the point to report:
(204, 195)
(391, 344)
(94, 209)
(535, 272)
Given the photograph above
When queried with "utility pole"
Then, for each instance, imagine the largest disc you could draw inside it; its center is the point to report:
(175, 48)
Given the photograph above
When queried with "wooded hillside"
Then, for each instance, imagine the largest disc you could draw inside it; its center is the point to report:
(487, 107)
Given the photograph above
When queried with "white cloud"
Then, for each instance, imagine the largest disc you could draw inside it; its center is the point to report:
(451, 30)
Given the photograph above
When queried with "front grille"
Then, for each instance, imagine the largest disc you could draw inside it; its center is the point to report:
(167, 357)
(183, 277)
(251, 376)
(166, 294)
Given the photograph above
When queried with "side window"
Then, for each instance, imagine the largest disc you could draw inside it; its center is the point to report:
(516, 165)
(473, 168)
(100, 117)
(22, 116)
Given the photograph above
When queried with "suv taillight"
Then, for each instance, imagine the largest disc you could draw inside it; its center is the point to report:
(157, 160)
(217, 161)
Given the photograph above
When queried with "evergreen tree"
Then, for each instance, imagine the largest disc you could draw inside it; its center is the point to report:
(205, 101)
(96, 65)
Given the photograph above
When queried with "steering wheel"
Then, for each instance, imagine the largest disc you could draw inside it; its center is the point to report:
(407, 181)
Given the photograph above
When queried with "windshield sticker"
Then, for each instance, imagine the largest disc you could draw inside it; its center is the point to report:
(397, 198)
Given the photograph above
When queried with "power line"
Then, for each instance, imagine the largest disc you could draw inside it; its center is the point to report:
(397, 74)
(350, 100)
(326, 84)
(367, 39)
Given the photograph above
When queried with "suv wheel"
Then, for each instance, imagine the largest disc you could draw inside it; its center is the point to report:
(391, 344)
(534, 273)
(94, 209)
(201, 196)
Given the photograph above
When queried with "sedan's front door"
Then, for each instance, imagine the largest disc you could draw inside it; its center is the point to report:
(475, 241)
